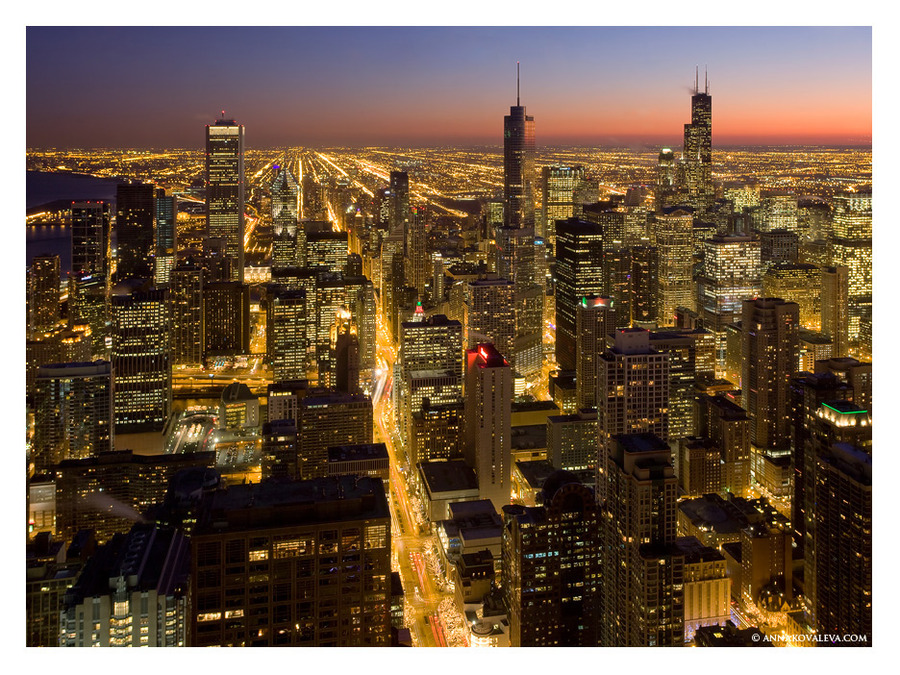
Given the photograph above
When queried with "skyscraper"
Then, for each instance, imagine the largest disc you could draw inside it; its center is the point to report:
(141, 357)
(286, 332)
(594, 320)
(834, 300)
(851, 247)
(489, 314)
(399, 213)
(770, 352)
(416, 260)
(488, 421)
(285, 199)
(73, 412)
(89, 304)
(800, 283)
(518, 165)
(517, 239)
(698, 149)
(304, 526)
(691, 362)
(344, 374)
(579, 267)
(673, 232)
(561, 187)
(188, 340)
(225, 189)
(550, 558)
(43, 294)
(841, 561)
(166, 213)
(132, 593)
(431, 367)
(730, 273)
(632, 394)
(226, 318)
(91, 230)
(643, 574)
(135, 215)
(329, 419)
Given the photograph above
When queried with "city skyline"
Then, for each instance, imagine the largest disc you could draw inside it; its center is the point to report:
(587, 390)
(613, 86)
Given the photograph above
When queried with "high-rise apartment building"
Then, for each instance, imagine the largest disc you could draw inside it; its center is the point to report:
(304, 563)
(488, 422)
(89, 305)
(837, 457)
(135, 217)
(550, 562)
(643, 574)
(225, 190)
(572, 440)
(727, 425)
(133, 592)
(841, 561)
(632, 393)
(141, 357)
(691, 362)
(73, 412)
(489, 314)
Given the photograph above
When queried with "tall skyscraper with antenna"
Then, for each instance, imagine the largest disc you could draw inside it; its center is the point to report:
(515, 239)
(518, 163)
(698, 148)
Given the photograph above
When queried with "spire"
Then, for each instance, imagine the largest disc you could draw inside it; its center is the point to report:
(697, 80)
(706, 79)
(517, 83)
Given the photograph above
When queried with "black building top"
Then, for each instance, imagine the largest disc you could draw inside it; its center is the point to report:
(275, 503)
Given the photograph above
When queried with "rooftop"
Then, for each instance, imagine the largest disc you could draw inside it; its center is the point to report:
(449, 476)
(349, 453)
(280, 503)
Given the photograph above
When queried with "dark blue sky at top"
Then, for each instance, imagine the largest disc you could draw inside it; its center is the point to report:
(157, 87)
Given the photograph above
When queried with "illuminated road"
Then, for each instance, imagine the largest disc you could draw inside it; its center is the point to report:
(420, 591)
